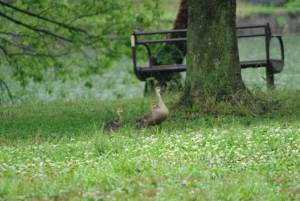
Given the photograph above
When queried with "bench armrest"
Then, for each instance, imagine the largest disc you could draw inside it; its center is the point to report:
(149, 54)
(134, 47)
(281, 45)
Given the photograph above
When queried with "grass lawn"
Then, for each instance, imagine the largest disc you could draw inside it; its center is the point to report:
(56, 151)
(246, 8)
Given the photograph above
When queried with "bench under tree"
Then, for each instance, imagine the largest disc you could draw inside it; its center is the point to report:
(175, 50)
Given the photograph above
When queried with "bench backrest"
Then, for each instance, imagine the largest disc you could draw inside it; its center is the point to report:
(272, 65)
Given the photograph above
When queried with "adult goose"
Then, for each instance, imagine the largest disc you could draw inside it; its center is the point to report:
(156, 116)
(143, 122)
(114, 124)
(153, 107)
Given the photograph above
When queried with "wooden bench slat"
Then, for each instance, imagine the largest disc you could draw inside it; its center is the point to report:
(161, 40)
(253, 64)
(163, 68)
(250, 35)
(185, 30)
(184, 39)
(182, 67)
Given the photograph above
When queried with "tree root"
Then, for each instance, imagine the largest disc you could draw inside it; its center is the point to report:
(242, 103)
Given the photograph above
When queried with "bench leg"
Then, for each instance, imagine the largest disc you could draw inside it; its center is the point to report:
(270, 79)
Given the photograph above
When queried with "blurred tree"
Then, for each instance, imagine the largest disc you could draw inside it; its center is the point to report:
(36, 35)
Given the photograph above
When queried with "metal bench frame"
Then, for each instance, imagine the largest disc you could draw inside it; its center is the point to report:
(273, 66)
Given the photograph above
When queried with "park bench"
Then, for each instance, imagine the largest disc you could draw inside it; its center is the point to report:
(272, 66)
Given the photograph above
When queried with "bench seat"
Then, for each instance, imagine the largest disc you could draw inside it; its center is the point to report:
(182, 67)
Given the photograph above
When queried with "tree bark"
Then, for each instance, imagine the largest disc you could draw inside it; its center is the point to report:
(213, 67)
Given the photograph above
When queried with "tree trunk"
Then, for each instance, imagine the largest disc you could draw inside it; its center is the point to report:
(213, 67)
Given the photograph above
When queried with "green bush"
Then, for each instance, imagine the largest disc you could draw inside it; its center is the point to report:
(292, 4)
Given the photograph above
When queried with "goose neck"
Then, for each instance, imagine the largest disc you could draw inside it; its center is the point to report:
(158, 96)
(119, 120)
(160, 102)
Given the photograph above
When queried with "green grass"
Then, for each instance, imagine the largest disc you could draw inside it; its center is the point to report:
(57, 151)
(244, 9)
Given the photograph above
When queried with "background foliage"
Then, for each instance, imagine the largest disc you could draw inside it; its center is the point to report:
(67, 76)
(293, 3)
(45, 36)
